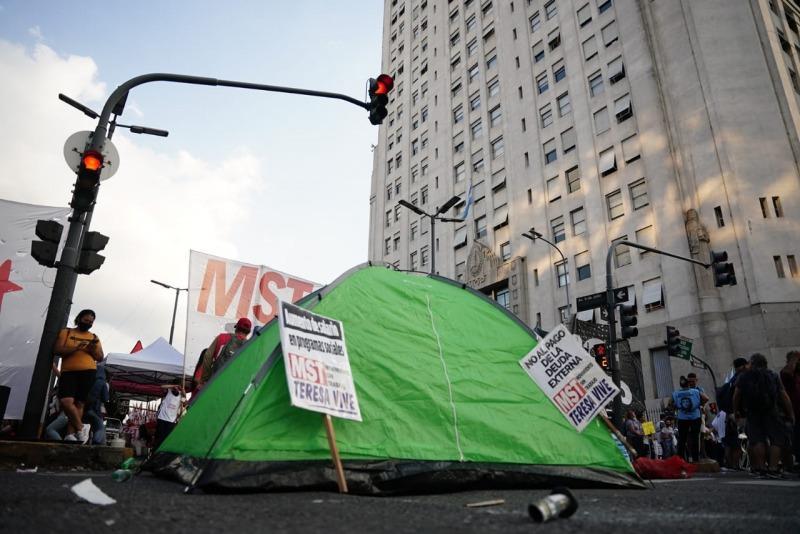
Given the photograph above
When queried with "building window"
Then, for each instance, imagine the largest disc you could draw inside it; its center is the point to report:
(564, 105)
(610, 33)
(538, 52)
(646, 236)
(559, 71)
(554, 39)
(614, 205)
(550, 151)
(631, 150)
(459, 172)
(608, 161)
(779, 266)
(719, 217)
(500, 217)
(550, 9)
(387, 246)
(578, 218)
(473, 72)
(589, 48)
(423, 253)
(494, 88)
(472, 47)
(596, 84)
(471, 22)
(792, 266)
(764, 207)
(491, 62)
(413, 231)
(397, 213)
(396, 241)
(558, 230)
(616, 70)
(494, 116)
(638, 191)
(497, 148)
(652, 295)
(546, 116)
(584, 15)
(583, 266)
(535, 22)
(541, 83)
(573, 180)
(622, 253)
(413, 261)
(388, 192)
(423, 193)
(460, 237)
(553, 189)
(505, 251)
(536, 277)
(477, 162)
(603, 5)
(568, 140)
(475, 102)
(388, 218)
(454, 38)
(622, 108)
(562, 272)
(776, 205)
(480, 227)
(455, 89)
(502, 297)
(458, 114)
(414, 147)
(601, 122)
(461, 268)
(476, 129)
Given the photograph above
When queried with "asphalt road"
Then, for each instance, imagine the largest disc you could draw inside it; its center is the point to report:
(726, 502)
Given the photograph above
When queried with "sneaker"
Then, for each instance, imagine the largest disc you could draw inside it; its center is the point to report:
(70, 437)
(83, 433)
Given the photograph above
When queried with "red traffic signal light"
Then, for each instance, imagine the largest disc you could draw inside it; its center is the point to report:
(92, 160)
(378, 89)
(600, 356)
(382, 85)
(88, 180)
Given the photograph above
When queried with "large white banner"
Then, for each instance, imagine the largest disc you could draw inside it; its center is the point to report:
(317, 366)
(25, 288)
(569, 377)
(223, 290)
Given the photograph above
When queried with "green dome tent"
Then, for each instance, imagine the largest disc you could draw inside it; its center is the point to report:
(444, 401)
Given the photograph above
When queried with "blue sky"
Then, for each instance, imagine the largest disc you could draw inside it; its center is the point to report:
(267, 178)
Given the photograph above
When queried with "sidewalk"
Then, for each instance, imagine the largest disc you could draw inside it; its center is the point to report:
(59, 456)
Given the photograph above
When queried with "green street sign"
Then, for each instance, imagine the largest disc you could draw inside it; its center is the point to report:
(685, 348)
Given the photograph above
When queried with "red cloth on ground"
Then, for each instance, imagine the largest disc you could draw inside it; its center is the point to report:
(672, 467)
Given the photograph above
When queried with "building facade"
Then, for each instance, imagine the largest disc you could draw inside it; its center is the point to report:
(672, 124)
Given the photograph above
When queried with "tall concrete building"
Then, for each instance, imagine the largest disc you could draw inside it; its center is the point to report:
(669, 123)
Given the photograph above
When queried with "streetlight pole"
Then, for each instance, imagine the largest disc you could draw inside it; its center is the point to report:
(533, 235)
(66, 275)
(433, 217)
(175, 308)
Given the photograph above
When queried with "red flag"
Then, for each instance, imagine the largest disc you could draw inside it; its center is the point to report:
(137, 347)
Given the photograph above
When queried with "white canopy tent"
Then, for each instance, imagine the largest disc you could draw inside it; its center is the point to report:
(142, 373)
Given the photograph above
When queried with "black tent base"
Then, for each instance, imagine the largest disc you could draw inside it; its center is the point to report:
(389, 477)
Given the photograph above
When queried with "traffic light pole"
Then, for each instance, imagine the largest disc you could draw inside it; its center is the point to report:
(612, 320)
(66, 276)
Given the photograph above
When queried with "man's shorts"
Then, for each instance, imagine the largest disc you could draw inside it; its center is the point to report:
(767, 428)
(76, 384)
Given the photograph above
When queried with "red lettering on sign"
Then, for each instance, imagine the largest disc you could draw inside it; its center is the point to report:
(269, 296)
(307, 370)
(570, 395)
(243, 283)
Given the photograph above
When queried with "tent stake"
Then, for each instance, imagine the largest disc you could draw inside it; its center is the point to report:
(337, 462)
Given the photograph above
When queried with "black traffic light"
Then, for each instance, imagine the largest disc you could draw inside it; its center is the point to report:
(673, 341)
(628, 321)
(89, 259)
(88, 181)
(45, 251)
(378, 97)
(723, 272)
(601, 357)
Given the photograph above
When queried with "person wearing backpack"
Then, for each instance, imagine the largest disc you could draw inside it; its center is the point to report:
(222, 349)
(686, 402)
(759, 395)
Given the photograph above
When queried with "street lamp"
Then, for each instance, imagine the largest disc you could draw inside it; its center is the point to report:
(175, 308)
(433, 217)
(533, 235)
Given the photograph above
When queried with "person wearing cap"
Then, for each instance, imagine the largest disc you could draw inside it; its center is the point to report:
(223, 348)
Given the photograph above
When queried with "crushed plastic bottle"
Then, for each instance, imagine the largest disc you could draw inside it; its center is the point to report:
(130, 463)
(121, 475)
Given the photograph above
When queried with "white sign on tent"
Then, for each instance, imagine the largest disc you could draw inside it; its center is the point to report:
(222, 290)
(317, 366)
(25, 288)
(569, 377)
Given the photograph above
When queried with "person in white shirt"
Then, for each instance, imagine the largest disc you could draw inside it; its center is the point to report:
(168, 412)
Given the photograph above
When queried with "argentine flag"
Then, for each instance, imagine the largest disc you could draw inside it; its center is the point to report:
(468, 203)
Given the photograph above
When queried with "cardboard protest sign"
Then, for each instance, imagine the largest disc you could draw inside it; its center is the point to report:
(569, 377)
(648, 428)
(316, 361)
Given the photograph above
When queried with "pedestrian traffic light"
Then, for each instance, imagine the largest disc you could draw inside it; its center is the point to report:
(45, 251)
(724, 274)
(600, 356)
(628, 321)
(88, 180)
(378, 97)
(90, 260)
(673, 341)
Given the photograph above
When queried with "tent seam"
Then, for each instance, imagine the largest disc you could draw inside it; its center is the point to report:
(447, 377)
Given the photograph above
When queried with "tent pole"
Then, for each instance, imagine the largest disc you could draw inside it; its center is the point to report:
(337, 462)
(614, 430)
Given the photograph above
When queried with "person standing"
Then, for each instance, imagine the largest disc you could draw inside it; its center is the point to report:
(97, 398)
(687, 401)
(80, 350)
(168, 412)
(666, 438)
(760, 396)
(634, 433)
(222, 349)
(790, 376)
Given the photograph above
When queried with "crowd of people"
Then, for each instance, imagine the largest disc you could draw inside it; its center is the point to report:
(752, 425)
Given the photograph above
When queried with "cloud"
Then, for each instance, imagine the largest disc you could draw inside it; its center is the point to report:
(155, 208)
(36, 32)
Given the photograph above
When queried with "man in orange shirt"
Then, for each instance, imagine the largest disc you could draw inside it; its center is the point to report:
(80, 350)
